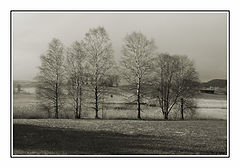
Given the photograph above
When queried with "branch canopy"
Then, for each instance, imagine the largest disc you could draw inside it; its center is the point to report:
(137, 59)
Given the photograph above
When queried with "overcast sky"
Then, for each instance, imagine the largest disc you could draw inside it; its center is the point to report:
(200, 36)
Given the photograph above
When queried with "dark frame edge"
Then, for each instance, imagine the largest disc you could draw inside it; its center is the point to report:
(11, 138)
(147, 10)
(229, 34)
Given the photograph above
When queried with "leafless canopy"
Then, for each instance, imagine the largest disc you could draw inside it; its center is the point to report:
(99, 52)
(51, 76)
(174, 78)
(138, 53)
(75, 73)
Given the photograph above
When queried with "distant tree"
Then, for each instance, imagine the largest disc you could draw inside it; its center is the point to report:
(175, 81)
(51, 77)
(75, 73)
(115, 80)
(138, 53)
(19, 88)
(112, 80)
(99, 53)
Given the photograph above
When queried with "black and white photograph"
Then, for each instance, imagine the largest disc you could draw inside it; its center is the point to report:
(120, 83)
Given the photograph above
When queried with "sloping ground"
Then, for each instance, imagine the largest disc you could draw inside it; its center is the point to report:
(124, 137)
(222, 83)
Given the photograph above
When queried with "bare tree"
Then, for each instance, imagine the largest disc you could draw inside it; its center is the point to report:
(136, 61)
(175, 81)
(51, 76)
(75, 69)
(187, 107)
(99, 52)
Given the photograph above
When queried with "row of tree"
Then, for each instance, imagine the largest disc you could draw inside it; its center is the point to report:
(165, 78)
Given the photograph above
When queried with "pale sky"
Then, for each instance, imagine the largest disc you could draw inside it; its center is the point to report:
(200, 36)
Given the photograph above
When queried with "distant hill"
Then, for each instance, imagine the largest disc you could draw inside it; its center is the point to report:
(221, 83)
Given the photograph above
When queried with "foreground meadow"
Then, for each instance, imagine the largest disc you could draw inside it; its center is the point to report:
(123, 137)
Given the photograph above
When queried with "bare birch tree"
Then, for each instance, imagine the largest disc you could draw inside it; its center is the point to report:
(99, 52)
(75, 69)
(175, 80)
(51, 77)
(136, 61)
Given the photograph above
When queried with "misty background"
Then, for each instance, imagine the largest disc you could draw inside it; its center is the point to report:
(200, 36)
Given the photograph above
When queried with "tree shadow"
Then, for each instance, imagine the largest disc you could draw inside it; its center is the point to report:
(29, 139)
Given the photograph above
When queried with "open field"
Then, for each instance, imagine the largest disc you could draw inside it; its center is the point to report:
(124, 137)
(116, 106)
(118, 133)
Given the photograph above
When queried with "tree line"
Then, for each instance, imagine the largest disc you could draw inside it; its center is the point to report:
(168, 79)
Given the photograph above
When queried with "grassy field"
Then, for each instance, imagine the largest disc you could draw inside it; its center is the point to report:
(123, 137)
(118, 132)
(116, 106)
